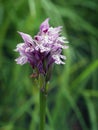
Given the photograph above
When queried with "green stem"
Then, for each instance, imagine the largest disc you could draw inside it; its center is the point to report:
(43, 97)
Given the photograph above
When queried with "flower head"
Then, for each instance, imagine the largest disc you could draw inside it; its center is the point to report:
(44, 49)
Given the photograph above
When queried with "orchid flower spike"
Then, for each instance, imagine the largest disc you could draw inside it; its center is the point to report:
(42, 51)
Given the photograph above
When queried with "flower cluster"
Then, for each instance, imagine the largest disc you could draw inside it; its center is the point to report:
(44, 49)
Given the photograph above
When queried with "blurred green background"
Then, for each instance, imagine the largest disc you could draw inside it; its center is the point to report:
(73, 93)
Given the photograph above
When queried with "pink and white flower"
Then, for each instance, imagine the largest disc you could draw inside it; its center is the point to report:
(44, 49)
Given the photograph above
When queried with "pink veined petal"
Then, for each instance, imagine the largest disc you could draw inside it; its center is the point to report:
(59, 62)
(21, 60)
(61, 39)
(27, 38)
(29, 49)
(42, 48)
(44, 26)
(61, 46)
(57, 59)
(63, 57)
(57, 29)
(55, 32)
(19, 46)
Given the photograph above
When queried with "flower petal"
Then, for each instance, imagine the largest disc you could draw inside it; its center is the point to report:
(44, 26)
(27, 38)
(19, 46)
(21, 60)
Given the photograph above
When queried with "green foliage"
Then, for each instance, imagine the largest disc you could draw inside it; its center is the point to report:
(73, 91)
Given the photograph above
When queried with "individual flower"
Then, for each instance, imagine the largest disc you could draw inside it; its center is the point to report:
(44, 49)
